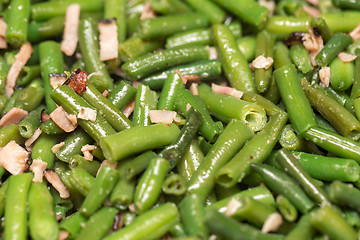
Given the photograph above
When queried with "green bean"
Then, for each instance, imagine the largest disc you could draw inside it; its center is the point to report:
(287, 25)
(355, 90)
(171, 88)
(247, 46)
(117, 9)
(8, 133)
(73, 224)
(50, 127)
(31, 122)
(290, 140)
(139, 164)
(190, 161)
(214, 13)
(174, 184)
(40, 31)
(42, 149)
(135, 47)
(300, 57)
(348, 4)
(17, 20)
(240, 77)
(122, 94)
(342, 74)
(320, 24)
(42, 221)
(169, 6)
(4, 68)
(30, 97)
(344, 195)
(77, 161)
(145, 100)
(81, 180)
(286, 208)
(27, 74)
(303, 230)
(10, 102)
(15, 209)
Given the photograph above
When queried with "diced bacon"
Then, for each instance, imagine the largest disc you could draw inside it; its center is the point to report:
(213, 55)
(20, 60)
(314, 12)
(346, 57)
(3, 26)
(269, 5)
(14, 116)
(324, 75)
(226, 90)
(57, 79)
(105, 93)
(148, 12)
(184, 79)
(86, 150)
(232, 206)
(59, 116)
(106, 163)
(72, 118)
(162, 116)
(129, 108)
(136, 84)
(355, 33)
(63, 235)
(52, 177)
(9, 91)
(57, 147)
(192, 77)
(193, 89)
(14, 158)
(44, 117)
(262, 62)
(108, 39)
(70, 37)
(38, 168)
(313, 2)
(188, 106)
(33, 138)
(78, 81)
(272, 223)
(313, 44)
(87, 114)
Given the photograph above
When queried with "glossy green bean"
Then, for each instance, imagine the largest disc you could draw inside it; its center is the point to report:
(42, 149)
(81, 180)
(122, 94)
(135, 47)
(17, 21)
(117, 9)
(171, 88)
(190, 161)
(78, 161)
(145, 100)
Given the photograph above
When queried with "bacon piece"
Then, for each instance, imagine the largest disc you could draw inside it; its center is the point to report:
(33, 138)
(52, 177)
(193, 89)
(44, 117)
(57, 79)
(105, 93)
(162, 116)
(106, 163)
(262, 62)
(355, 33)
(188, 106)
(3, 26)
(70, 37)
(14, 116)
(324, 75)
(184, 79)
(77, 81)
(148, 12)
(20, 60)
(108, 39)
(63, 235)
(313, 2)
(313, 44)
(346, 57)
(192, 77)
(314, 12)
(272, 223)
(14, 158)
(226, 90)
(129, 108)
(136, 84)
(38, 167)
(57, 147)
(213, 55)
(86, 150)
(87, 114)
(59, 116)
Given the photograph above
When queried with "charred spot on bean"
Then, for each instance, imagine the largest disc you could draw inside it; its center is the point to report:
(294, 38)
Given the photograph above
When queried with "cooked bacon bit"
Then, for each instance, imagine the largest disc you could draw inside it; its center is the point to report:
(272, 223)
(55, 181)
(148, 12)
(313, 2)
(232, 206)
(324, 75)
(314, 12)
(136, 84)
(57, 79)
(15, 115)
(213, 55)
(8, 91)
(44, 117)
(313, 44)
(162, 116)
(106, 163)
(105, 93)
(355, 34)
(63, 235)
(262, 62)
(59, 116)
(346, 57)
(226, 90)
(33, 138)
(87, 114)
(269, 5)
(77, 81)
(70, 37)
(57, 147)
(192, 77)
(184, 79)
(188, 106)
(38, 167)
(3, 26)
(193, 89)
(132, 208)
(108, 39)
(129, 108)
(14, 158)
(20, 60)
(86, 150)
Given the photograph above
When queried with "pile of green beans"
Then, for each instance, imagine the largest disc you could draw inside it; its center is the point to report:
(274, 157)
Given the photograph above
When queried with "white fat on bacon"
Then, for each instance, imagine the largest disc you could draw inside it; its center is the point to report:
(346, 57)
(226, 90)
(20, 60)
(14, 116)
(57, 147)
(162, 116)
(324, 75)
(14, 158)
(129, 108)
(87, 114)
(314, 12)
(355, 33)
(52, 177)
(193, 89)
(148, 12)
(108, 39)
(70, 37)
(3, 26)
(60, 118)
(272, 223)
(313, 44)
(86, 150)
(262, 62)
(57, 79)
(38, 168)
(32, 139)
